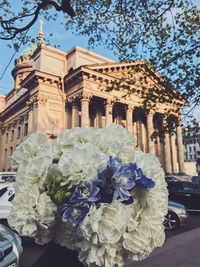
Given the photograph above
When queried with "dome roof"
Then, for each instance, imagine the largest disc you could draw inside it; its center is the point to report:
(28, 51)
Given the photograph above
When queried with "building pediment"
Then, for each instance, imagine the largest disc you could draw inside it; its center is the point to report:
(107, 73)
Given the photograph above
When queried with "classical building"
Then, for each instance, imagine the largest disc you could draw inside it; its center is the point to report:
(191, 140)
(55, 90)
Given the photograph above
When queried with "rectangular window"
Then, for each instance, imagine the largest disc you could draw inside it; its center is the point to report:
(11, 151)
(18, 132)
(194, 148)
(26, 129)
(5, 157)
(6, 137)
(12, 135)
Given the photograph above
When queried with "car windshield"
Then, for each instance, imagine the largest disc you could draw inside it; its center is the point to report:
(186, 187)
(8, 178)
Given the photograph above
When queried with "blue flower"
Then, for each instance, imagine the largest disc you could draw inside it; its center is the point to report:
(142, 180)
(75, 214)
(88, 191)
(138, 173)
(114, 164)
(123, 182)
(145, 182)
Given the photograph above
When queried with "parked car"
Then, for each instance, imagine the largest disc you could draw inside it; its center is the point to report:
(7, 194)
(186, 193)
(10, 247)
(7, 177)
(196, 180)
(177, 216)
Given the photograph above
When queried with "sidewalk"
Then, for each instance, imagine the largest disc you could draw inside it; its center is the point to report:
(179, 251)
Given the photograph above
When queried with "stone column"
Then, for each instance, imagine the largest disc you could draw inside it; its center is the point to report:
(85, 119)
(135, 131)
(119, 118)
(161, 152)
(31, 117)
(144, 137)
(75, 114)
(129, 118)
(139, 134)
(30, 121)
(173, 154)
(150, 129)
(180, 150)
(167, 152)
(109, 115)
(99, 118)
(68, 114)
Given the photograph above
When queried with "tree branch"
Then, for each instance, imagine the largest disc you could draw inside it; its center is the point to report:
(12, 31)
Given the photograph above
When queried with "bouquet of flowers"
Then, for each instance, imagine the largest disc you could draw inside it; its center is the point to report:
(91, 191)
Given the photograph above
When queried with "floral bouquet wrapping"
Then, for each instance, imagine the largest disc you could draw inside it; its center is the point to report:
(91, 191)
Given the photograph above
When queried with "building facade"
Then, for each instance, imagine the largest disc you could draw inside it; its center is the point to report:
(54, 90)
(191, 140)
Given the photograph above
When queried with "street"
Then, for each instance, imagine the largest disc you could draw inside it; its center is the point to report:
(179, 250)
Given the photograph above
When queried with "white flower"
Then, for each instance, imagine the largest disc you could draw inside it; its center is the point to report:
(35, 145)
(105, 255)
(76, 136)
(110, 232)
(81, 163)
(34, 172)
(31, 210)
(106, 223)
(148, 230)
(116, 141)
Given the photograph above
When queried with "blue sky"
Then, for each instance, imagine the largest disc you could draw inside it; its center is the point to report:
(65, 39)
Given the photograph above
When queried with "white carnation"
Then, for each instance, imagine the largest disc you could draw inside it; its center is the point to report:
(31, 210)
(34, 172)
(76, 136)
(35, 145)
(106, 223)
(81, 163)
(148, 230)
(116, 141)
(105, 255)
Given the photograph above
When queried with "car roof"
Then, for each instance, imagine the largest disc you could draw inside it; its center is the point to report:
(179, 181)
(7, 174)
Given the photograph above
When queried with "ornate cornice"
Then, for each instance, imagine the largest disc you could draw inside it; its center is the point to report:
(36, 76)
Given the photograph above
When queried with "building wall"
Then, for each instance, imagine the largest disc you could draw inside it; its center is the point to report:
(50, 99)
(191, 137)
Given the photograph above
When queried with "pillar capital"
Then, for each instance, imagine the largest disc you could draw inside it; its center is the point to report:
(73, 100)
(85, 96)
(129, 108)
(109, 103)
(151, 113)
